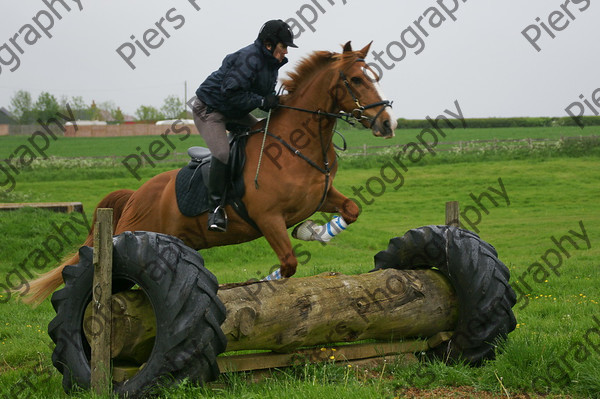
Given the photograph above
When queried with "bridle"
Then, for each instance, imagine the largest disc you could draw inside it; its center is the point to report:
(355, 115)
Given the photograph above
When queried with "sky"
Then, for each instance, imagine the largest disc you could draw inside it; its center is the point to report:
(429, 53)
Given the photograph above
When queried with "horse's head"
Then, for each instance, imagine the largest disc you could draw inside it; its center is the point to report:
(357, 91)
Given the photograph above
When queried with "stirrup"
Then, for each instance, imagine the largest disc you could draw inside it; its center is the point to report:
(219, 220)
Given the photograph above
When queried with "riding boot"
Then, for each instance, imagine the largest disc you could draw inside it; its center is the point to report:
(217, 183)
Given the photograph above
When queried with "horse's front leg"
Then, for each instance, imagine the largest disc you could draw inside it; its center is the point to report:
(275, 232)
(335, 202)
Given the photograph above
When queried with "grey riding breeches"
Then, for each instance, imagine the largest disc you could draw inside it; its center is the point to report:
(211, 125)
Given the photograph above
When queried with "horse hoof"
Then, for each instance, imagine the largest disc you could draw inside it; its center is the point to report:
(305, 231)
(288, 271)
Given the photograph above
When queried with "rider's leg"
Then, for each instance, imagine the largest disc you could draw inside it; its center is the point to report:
(217, 184)
(211, 125)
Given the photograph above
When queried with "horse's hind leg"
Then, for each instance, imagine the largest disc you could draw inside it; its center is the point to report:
(275, 232)
(335, 202)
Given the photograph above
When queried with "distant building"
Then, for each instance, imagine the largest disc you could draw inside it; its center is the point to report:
(86, 123)
(6, 117)
(171, 121)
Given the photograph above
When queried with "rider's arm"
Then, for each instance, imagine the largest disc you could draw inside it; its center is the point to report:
(238, 80)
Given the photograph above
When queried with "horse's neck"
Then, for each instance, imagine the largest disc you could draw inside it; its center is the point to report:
(309, 130)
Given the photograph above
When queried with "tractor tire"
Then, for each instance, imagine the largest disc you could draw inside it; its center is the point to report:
(479, 278)
(184, 298)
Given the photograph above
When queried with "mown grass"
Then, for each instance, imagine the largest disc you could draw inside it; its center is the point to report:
(549, 195)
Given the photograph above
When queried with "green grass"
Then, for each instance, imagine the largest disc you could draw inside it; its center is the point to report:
(548, 197)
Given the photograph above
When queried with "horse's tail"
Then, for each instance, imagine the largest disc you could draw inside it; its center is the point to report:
(35, 291)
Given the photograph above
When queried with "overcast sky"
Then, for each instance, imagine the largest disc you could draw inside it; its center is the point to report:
(481, 58)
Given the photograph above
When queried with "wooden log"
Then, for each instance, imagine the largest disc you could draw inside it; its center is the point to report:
(64, 207)
(287, 314)
(133, 326)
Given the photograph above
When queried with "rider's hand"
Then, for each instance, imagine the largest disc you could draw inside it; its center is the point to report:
(270, 101)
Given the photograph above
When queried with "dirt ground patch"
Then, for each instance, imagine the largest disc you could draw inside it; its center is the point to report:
(466, 392)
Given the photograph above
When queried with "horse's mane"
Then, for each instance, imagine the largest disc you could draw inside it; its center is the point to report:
(313, 63)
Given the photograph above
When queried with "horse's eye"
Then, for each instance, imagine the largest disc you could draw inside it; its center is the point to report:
(356, 80)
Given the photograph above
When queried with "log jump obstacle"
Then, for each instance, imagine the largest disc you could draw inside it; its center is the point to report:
(64, 207)
(179, 320)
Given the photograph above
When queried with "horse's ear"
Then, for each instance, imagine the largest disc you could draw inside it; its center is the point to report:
(347, 47)
(365, 50)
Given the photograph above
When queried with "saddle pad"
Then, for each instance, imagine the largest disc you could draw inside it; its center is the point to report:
(190, 190)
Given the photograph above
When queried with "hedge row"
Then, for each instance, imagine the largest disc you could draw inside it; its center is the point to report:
(506, 122)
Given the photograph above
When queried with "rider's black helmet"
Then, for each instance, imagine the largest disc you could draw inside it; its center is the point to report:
(276, 31)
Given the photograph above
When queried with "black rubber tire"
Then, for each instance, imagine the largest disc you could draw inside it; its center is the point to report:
(480, 279)
(183, 295)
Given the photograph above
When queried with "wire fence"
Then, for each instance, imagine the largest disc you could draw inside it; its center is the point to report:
(469, 145)
(458, 147)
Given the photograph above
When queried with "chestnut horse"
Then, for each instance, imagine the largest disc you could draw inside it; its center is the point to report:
(292, 186)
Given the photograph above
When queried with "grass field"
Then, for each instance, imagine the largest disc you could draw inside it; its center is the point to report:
(549, 196)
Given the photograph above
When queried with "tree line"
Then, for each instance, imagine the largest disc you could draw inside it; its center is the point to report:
(46, 106)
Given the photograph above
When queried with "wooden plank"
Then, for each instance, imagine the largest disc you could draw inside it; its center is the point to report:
(101, 301)
(353, 353)
(439, 338)
(356, 354)
(258, 361)
(452, 215)
(65, 207)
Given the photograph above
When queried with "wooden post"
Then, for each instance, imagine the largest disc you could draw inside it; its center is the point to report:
(101, 301)
(452, 216)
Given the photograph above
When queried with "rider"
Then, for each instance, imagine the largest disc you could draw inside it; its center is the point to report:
(245, 81)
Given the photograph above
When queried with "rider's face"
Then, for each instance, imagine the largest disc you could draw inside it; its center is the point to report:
(280, 51)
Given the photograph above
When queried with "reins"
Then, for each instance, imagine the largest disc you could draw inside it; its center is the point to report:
(344, 116)
(326, 169)
(262, 147)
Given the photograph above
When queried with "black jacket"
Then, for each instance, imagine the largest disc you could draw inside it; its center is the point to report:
(243, 80)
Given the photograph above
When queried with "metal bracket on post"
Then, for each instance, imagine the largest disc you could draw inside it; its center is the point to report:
(101, 301)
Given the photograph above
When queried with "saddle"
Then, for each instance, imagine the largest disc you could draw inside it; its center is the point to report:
(190, 184)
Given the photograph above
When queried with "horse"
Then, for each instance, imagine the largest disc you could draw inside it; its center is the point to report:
(291, 187)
